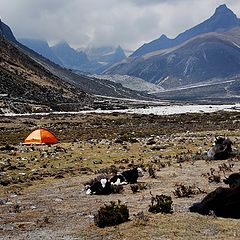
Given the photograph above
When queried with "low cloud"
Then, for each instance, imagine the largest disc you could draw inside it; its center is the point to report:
(128, 23)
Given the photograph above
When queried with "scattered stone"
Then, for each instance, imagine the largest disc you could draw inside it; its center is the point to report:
(58, 199)
(8, 148)
(3, 201)
(59, 176)
(97, 161)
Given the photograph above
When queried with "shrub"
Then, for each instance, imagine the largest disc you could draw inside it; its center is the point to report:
(214, 176)
(161, 204)
(111, 215)
(151, 171)
(134, 187)
(141, 218)
(186, 191)
(117, 188)
(226, 167)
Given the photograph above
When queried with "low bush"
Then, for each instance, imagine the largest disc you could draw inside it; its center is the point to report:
(186, 191)
(141, 219)
(161, 204)
(111, 215)
(214, 176)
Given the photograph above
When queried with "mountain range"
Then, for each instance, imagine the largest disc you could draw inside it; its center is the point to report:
(88, 60)
(27, 86)
(68, 57)
(41, 47)
(222, 20)
(31, 83)
(211, 55)
(208, 51)
(200, 64)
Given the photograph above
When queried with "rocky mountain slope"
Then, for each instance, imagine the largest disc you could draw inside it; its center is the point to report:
(69, 57)
(222, 20)
(23, 80)
(88, 60)
(212, 55)
(96, 86)
(227, 90)
(6, 32)
(41, 47)
(208, 59)
(133, 83)
(29, 82)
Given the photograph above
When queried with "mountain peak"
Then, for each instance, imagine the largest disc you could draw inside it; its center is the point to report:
(223, 10)
(62, 43)
(119, 52)
(222, 20)
(6, 32)
(119, 47)
(164, 37)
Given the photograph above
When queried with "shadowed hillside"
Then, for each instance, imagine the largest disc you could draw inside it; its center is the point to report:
(25, 80)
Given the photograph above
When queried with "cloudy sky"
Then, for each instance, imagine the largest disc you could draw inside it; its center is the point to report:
(128, 23)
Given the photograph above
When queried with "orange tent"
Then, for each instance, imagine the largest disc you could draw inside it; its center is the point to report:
(40, 136)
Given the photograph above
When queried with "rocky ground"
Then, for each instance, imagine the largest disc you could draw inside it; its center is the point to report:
(42, 192)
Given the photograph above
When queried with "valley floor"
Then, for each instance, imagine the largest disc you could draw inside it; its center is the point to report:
(42, 192)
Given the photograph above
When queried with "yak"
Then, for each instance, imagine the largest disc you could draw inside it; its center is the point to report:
(105, 186)
(100, 187)
(129, 176)
(223, 202)
(221, 149)
(233, 180)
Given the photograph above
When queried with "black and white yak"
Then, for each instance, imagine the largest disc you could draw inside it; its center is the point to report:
(129, 176)
(100, 187)
(221, 149)
(105, 186)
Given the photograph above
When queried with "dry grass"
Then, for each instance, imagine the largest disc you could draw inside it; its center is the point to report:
(55, 206)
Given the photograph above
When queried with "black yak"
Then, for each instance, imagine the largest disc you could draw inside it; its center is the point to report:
(233, 180)
(223, 202)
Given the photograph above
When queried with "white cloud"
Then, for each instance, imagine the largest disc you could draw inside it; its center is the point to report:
(129, 23)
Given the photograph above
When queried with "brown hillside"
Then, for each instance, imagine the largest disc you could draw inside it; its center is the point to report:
(24, 79)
